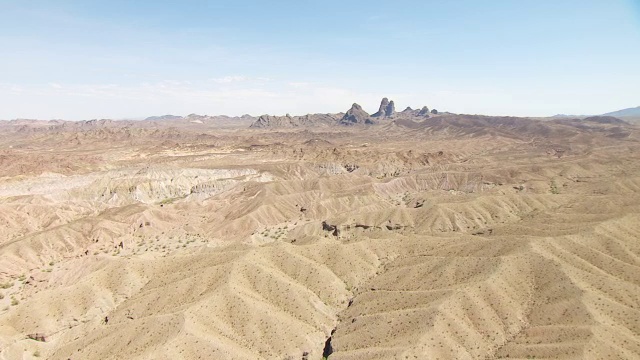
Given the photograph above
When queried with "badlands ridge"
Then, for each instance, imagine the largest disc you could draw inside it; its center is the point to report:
(395, 235)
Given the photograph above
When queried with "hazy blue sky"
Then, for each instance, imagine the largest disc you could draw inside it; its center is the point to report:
(96, 59)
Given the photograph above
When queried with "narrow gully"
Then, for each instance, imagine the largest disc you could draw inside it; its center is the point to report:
(328, 349)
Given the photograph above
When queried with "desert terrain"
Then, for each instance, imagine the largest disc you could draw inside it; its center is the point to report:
(397, 235)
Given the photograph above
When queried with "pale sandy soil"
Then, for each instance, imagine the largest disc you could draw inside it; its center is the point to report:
(439, 242)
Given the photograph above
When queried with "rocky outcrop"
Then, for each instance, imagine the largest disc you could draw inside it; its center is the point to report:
(356, 116)
(386, 109)
(390, 110)
(267, 121)
(333, 229)
(383, 107)
(288, 121)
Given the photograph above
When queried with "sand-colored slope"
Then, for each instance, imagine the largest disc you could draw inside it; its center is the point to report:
(469, 239)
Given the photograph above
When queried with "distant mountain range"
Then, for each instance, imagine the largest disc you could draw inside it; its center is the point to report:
(630, 112)
(625, 112)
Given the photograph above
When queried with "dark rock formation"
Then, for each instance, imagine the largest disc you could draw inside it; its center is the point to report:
(355, 116)
(407, 109)
(387, 108)
(424, 111)
(390, 109)
(333, 229)
(383, 107)
(434, 111)
(37, 337)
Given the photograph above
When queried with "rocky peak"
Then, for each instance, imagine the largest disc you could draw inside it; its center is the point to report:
(355, 107)
(424, 111)
(263, 121)
(390, 109)
(387, 108)
(355, 115)
(383, 105)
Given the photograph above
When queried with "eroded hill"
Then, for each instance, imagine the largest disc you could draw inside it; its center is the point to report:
(422, 237)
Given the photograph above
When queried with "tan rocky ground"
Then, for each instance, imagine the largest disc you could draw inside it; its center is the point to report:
(451, 237)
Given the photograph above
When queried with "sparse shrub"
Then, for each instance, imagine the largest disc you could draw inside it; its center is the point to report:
(14, 301)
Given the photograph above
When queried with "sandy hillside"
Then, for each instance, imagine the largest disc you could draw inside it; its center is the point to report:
(449, 237)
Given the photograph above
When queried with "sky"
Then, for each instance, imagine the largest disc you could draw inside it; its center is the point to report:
(118, 59)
